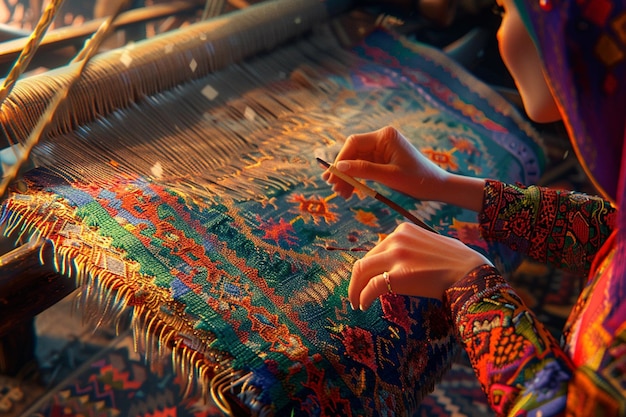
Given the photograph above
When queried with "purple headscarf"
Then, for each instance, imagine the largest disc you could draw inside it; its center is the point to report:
(583, 46)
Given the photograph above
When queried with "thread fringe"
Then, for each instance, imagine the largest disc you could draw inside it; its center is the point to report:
(108, 298)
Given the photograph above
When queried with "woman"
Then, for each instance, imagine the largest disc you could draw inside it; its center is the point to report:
(567, 59)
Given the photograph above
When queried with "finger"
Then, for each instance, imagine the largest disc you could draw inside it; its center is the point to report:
(363, 271)
(369, 146)
(360, 157)
(357, 144)
(341, 187)
(359, 170)
(375, 287)
(364, 169)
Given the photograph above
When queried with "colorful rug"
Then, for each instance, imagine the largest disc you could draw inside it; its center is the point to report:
(236, 271)
(118, 382)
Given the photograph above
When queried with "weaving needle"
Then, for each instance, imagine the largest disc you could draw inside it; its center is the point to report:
(373, 193)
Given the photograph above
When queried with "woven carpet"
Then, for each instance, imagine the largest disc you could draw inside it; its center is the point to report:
(245, 284)
(113, 380)
(118, 382)
(109, 378)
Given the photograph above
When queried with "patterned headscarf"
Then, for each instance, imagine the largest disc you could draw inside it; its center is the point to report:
(583, 46)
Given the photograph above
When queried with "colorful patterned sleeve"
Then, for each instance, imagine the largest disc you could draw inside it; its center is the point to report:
(518, 362)
(561, 228)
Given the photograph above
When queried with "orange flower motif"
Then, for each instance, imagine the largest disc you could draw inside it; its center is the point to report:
(464, 145)
(314, 208)
(367, 218)
(444, 159)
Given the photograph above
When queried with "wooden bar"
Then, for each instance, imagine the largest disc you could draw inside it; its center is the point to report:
(73, 37)
(26, 286)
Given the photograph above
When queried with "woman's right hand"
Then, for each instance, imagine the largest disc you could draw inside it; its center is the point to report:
(387, 157)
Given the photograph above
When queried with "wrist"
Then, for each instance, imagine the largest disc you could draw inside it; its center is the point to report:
(463, 191)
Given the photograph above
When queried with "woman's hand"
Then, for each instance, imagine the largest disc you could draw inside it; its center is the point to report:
(418, 262)
(387, 157)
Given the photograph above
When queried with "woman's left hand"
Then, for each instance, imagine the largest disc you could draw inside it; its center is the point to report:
(417, 262)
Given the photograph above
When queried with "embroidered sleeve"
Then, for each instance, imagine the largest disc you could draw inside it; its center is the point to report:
(517, 361)
(561, 228)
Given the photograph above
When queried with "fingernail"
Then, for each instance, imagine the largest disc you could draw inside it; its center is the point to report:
(362, 308)
(352, 305)
(342, 166)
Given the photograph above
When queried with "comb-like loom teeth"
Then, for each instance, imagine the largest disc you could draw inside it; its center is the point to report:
(202, 153)
(193, 52)
(96, 168)
(165, 336)
(154, 338)
(215, 391)
(113, 306)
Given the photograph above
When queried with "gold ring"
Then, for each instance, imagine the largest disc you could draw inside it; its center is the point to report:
(386, 278)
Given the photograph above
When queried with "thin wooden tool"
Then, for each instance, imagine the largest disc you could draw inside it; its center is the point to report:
(373, 193)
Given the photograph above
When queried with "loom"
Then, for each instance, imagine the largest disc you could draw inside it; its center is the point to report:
(226, 115)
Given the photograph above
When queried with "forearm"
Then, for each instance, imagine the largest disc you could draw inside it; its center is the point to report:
(461, 191)
(508, 347)
(557, 227)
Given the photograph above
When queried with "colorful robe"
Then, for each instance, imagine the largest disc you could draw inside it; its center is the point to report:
(521, 367)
